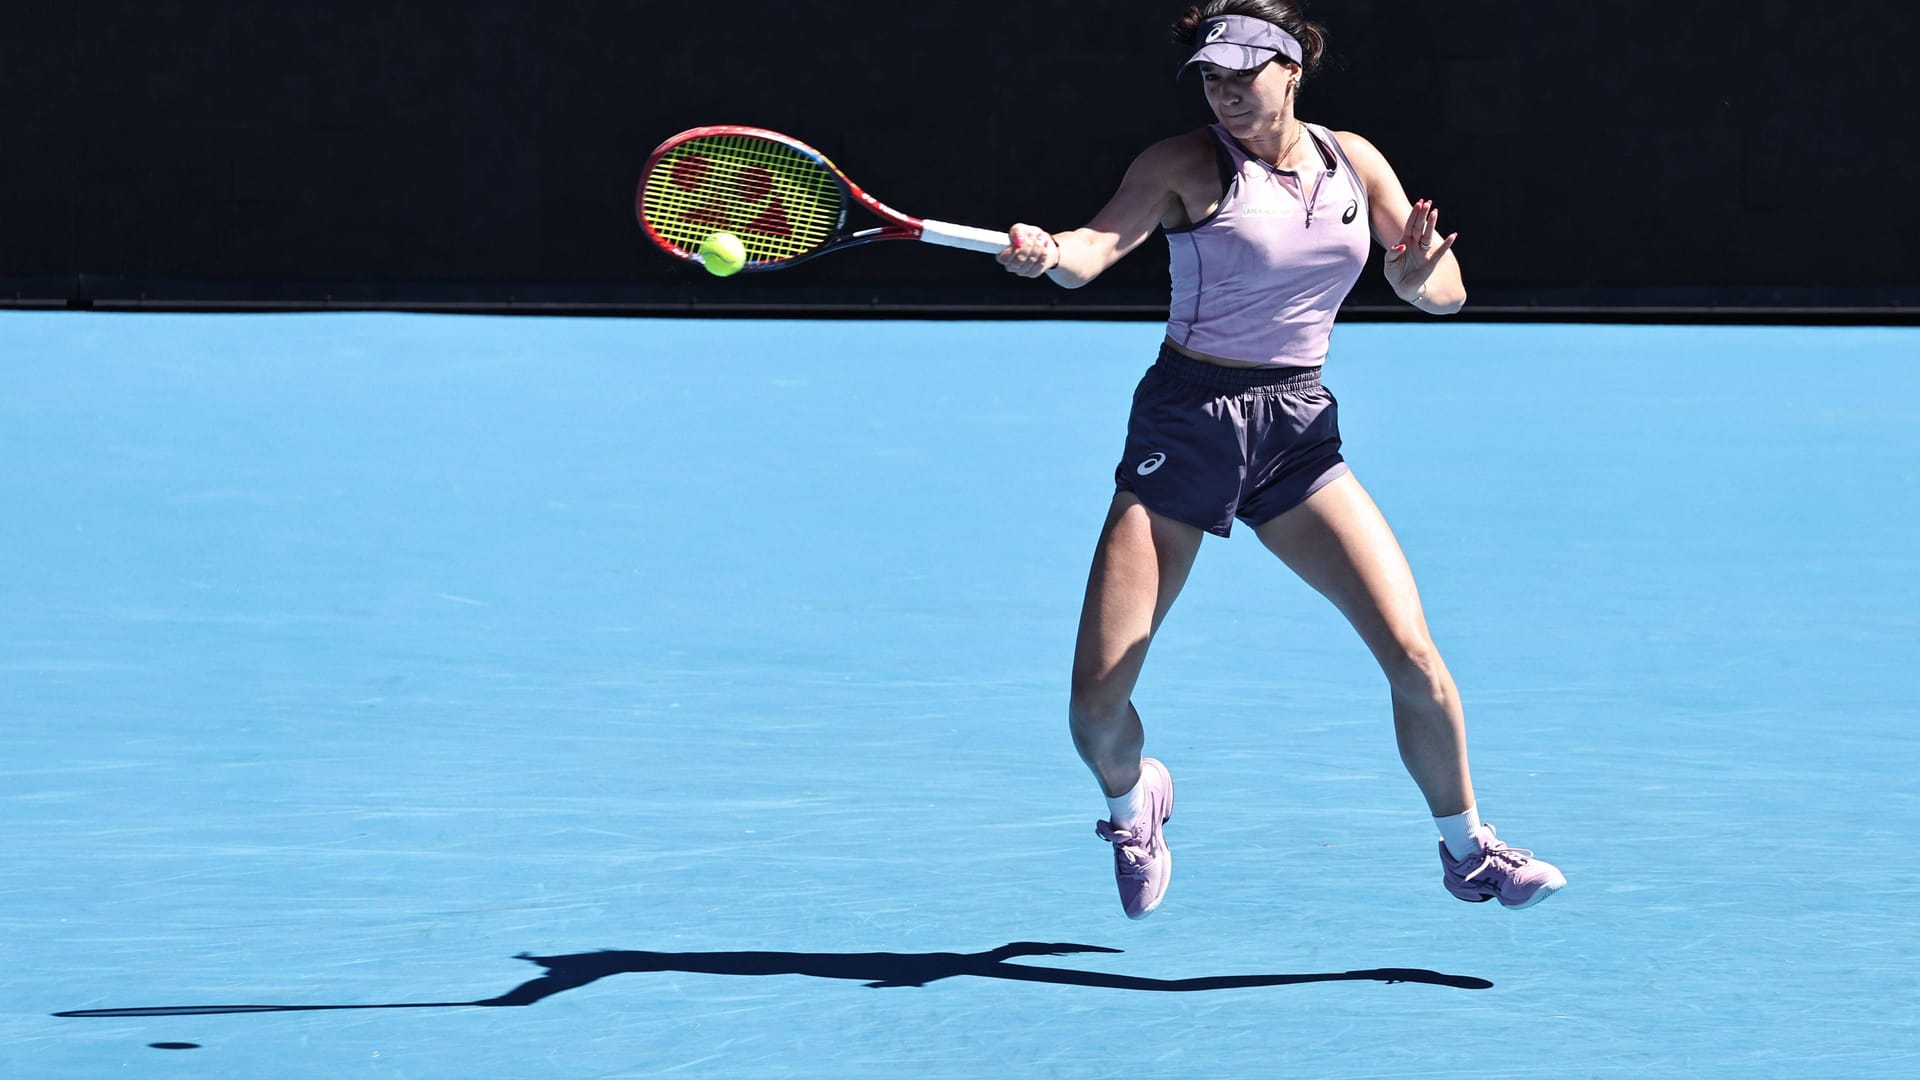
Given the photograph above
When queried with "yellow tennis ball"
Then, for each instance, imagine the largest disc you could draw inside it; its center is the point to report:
(723, 254)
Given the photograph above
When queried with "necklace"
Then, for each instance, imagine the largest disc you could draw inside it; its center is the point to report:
(1299, 129)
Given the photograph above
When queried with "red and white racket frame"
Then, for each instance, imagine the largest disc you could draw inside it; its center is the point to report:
(898, 226)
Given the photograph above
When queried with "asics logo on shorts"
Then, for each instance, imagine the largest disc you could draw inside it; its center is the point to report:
(1158, 459)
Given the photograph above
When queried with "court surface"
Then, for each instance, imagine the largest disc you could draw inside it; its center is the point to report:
(462, 697)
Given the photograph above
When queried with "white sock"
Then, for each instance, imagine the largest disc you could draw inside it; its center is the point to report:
(1124, 810)
(1457, 831)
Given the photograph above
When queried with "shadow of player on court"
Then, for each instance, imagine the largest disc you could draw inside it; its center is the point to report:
(878, 970)
(886, 970)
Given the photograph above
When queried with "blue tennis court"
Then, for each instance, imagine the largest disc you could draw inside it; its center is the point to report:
(444, 696)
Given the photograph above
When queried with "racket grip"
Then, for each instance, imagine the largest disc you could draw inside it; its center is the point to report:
(950, 235)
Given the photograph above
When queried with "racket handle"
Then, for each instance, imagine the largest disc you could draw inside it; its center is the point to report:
(947, 234)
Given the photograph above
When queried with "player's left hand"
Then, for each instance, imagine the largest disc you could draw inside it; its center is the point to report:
(1410, 262)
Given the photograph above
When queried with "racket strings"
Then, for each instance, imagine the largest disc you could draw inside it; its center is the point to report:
(780, 202)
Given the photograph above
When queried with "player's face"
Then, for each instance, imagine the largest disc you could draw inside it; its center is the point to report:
(1251, 103)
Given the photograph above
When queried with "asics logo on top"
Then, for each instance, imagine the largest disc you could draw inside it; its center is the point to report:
(1158, 459)
(1353, 210)
(1219, 31)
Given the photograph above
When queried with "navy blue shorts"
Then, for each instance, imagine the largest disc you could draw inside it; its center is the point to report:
(1207, 444)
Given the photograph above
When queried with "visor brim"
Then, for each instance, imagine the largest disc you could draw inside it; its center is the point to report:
(1231, 57)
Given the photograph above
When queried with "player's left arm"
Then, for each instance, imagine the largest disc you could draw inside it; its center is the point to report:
(1420, 264)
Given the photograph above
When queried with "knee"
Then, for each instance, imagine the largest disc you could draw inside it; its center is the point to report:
(1091, 706)
(1414, 668)
(1096, 713)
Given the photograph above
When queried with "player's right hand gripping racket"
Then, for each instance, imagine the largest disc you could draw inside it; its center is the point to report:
(782, 198)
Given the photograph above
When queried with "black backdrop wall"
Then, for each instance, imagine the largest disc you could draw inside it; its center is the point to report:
(1629, 156)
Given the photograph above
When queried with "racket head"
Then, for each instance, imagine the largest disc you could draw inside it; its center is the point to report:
(781, 197)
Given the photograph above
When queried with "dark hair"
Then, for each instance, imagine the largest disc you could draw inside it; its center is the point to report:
(1281, 13)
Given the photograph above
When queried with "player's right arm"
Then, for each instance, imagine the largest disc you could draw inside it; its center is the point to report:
(1149, 196)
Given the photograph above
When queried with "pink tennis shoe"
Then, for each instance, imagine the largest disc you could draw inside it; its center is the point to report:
(1142, 864)
(1498, 872)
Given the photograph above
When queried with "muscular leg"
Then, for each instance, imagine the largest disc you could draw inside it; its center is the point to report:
(1338, 542)
(1139, 565)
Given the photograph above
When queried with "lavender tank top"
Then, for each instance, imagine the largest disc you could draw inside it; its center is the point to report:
(1259, 281)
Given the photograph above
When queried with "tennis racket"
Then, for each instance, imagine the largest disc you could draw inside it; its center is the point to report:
(785, 201)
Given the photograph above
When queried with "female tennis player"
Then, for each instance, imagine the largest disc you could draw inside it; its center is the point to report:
(1268, 220)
